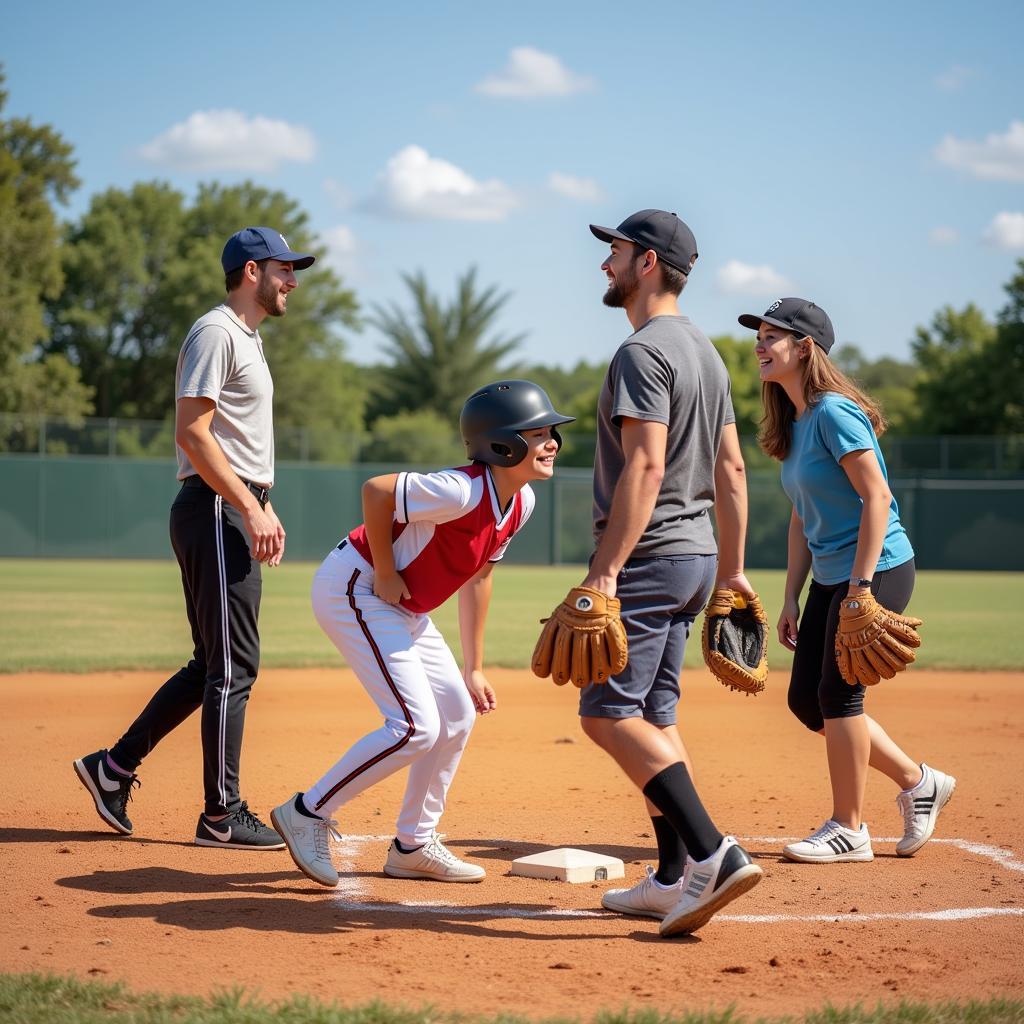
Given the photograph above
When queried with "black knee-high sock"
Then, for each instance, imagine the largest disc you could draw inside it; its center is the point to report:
(671, 851)
(673, 793)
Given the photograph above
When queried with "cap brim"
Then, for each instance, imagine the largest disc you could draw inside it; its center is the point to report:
(608, 234)
(297, 260)
(754, 322)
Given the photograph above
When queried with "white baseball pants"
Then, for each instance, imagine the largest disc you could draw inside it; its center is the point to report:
(412, 677)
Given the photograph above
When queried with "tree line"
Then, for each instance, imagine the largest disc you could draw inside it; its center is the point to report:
(97, 307)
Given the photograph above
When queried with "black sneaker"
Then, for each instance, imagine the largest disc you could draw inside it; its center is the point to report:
(239, 831)
(110, 790)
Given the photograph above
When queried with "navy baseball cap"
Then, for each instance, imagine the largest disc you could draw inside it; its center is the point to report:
(260, 244)
(800, 316)
(663, 232)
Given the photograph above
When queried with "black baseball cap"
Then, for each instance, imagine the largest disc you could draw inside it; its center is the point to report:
(800, 316)
(260, 244)
(665, 233)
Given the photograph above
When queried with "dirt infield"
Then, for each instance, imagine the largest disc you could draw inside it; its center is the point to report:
(161, 914)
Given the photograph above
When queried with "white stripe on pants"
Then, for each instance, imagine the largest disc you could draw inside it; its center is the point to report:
(411, 675)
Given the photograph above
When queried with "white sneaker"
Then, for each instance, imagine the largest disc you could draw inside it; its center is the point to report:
(308, 841)
(432, 860)
(709, 885)
(648, 898)
(920, 808)
(832, 844)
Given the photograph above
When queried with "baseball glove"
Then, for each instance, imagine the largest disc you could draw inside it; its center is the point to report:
(735, 640)
(583, 640)
(872, 642)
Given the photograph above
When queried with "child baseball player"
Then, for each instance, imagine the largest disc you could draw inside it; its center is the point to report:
(424, 537)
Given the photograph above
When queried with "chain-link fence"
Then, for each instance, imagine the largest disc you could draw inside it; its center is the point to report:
(943, 457)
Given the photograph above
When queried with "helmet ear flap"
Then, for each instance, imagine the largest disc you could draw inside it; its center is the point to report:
(511, 450)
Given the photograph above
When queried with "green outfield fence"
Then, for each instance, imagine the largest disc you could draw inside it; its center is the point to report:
(111, 507)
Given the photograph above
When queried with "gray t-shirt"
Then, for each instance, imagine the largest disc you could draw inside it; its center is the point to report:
(667, 372)
(223, 359)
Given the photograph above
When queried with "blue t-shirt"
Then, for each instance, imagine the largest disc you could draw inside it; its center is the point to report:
(822, 494)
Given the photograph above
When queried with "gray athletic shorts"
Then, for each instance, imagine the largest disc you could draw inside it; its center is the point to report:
(660, 598)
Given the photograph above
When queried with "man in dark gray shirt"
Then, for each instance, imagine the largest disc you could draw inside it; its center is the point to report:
(667, 454)
(223, 527)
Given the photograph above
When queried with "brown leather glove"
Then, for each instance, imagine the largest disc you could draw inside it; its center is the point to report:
(583, 640)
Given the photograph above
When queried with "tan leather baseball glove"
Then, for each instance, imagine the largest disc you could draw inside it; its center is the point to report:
(872, 642)
(583, 640)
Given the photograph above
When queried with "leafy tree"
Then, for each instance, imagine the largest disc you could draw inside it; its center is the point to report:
(142, 265)
(889, 381)
(420, 437)
(439, 352)
(954, 392)
(1008, 357)
(740, 361)
(36, 170)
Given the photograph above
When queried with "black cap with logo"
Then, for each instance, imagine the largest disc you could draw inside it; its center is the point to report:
(800, 316)
(671, 240)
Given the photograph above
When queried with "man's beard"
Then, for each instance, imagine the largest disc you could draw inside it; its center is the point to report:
(621, 291)
(268, 297)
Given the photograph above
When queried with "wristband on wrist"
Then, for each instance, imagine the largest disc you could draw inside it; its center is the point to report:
(859, 581)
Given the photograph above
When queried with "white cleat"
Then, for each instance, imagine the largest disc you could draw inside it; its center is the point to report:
(920, 808)
(433, 860)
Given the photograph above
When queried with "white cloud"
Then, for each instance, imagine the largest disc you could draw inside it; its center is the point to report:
(943, 235)
(1006, 231)
(585, 190)
(954, 78)
(227, 140)
(530, 74)
(416, 186)
(736, 278)
(996, 158)
(341, 247)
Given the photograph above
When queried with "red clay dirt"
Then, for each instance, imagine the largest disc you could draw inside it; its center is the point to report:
(161, 914)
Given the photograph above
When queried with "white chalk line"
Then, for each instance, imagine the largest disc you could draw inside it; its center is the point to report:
(349, 890)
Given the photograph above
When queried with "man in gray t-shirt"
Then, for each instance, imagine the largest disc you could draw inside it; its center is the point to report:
(667, 454)
(223, 527)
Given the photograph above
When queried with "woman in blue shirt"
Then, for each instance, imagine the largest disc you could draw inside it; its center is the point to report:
(845, 530)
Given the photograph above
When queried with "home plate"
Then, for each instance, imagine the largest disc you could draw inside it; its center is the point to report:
(568, 865)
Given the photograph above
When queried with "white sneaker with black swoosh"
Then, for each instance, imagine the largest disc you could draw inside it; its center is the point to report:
(241, 830)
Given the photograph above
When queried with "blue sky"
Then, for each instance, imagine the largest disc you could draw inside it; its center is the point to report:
(868, 156)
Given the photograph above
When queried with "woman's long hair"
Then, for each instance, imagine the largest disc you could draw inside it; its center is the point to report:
(820, 375)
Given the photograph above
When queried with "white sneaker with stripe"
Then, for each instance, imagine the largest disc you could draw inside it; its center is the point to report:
(920, 808)
(709, 885)
(832, 844)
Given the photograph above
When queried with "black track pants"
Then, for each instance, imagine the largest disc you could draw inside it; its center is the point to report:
(222, 585)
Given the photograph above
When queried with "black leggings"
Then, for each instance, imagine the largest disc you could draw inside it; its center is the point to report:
(816, 689)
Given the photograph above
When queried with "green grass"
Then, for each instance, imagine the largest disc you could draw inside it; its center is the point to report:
(44, 999)
(85, 616)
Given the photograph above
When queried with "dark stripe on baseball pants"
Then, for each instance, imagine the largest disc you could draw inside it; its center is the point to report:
(222, 585)
(383, 665)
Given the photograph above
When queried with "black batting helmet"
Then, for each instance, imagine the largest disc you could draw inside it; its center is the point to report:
(494, 418)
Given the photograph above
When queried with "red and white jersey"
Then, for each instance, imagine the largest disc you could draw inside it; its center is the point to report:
(448, 526)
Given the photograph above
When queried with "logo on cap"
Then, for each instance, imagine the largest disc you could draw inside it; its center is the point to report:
(774, 306)
(584, 604)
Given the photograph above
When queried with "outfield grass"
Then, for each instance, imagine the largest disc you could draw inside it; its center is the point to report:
(87, 616)
(42, 999)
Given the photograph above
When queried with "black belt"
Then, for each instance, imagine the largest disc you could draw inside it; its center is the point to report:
(262, 494)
